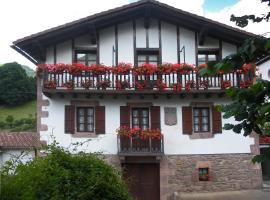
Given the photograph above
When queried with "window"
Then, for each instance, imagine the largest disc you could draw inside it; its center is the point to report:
(85, 119)
(147, 56)
(205, 56)
(203, 174)
(86, 57)
(140, 118)
(201, 119)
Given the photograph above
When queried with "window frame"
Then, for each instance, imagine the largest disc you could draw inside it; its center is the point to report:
(200, 123)
(207, 52)
(86, 51)
(140, 118)
(147, 52)
(85, 108)
(204, 177)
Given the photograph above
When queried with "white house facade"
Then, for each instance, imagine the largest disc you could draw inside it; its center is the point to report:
(75, 104)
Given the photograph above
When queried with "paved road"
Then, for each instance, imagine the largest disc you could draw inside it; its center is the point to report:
(232, 195)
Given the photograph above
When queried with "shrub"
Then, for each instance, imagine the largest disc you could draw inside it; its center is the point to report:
(63, 175)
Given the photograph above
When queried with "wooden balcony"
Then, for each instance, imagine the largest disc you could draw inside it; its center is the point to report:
(131, 83)
(139, 147)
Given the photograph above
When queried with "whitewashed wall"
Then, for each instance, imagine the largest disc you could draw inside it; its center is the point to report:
(175, 141)
(64, 52)
(8, 154)
(125, 43)
(169, 43)
(106, 43)
(228, 49)
(187, 39)
(264, 70)
(153, 34)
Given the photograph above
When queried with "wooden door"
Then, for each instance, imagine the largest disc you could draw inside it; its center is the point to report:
(143, 180)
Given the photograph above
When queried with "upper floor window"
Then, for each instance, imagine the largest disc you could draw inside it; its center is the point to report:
(150, 56)
(86, 57)
(140, 118)
(201, 119)
(85, 119)
(206, 55)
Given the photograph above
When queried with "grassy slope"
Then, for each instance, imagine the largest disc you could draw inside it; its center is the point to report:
(18, 111)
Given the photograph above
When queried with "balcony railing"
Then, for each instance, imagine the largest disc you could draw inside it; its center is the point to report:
(140, 146)
(171, 82)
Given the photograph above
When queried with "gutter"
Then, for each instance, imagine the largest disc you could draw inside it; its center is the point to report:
(23, 53)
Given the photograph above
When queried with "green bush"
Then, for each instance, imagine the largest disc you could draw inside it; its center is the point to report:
(23, 124)
(63, 175)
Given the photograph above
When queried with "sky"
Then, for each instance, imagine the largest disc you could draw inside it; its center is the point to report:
(20, 18)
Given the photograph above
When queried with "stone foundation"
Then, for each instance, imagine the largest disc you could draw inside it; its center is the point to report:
(179, 173)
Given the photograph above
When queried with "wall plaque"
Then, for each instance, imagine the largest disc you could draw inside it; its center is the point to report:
(170, 116)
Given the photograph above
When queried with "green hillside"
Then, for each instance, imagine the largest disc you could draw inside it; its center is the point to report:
(18, 112)
(29, 71)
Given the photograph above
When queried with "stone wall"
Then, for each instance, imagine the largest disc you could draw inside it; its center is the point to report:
(179, 173)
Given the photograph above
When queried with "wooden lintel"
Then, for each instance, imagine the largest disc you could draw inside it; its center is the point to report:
(169, 96)
(155, 96)
(195, 96)
(207, 95)
(61, 95)
(182, 96)
(88, 96)
(74, 95)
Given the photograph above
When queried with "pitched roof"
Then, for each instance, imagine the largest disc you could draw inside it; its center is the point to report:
(19, 140)
(31, 44)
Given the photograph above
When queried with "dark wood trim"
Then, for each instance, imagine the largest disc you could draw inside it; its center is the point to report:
(147, 36)
(116, 44)
(146, 50)
(73, 50)
(178, 43)
(208, 50)
(55, 54)
(134, 42)
(196, 48)
(98, 48)
(220, 49)
(159, 38)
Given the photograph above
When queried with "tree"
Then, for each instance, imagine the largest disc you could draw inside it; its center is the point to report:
(15, 86)
(250, 107)
(62, 175)
(242, 21)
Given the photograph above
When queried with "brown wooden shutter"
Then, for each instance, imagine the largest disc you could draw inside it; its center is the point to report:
(70, 119)
(100, 119)
(187, 119)
(216, 120)
(125, 116)
(155, 117)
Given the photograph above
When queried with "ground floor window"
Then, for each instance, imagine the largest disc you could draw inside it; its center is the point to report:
(85, 119)
(203, 174)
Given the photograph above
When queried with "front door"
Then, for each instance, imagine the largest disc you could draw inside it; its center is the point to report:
(142, 180)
